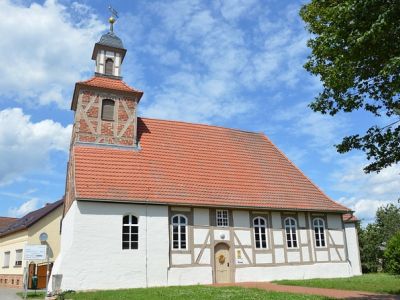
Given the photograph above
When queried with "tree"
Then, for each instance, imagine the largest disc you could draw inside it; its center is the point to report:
(392, 255)
(356, 52)
(374, 238)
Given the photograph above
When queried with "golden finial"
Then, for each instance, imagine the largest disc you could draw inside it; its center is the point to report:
(113, 18)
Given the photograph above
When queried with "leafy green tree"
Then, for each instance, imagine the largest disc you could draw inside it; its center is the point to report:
(356, 52)
(370, 248)
(392, 255)
(374, 238)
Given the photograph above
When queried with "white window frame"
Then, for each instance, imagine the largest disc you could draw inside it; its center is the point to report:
(319, 232)
(292, 226)
(257, 231)
(130, 233)
(179, 227)
(19, 253)
(6, 259)
(222, 217)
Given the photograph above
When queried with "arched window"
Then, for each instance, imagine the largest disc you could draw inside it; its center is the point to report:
(130, 232)
(109, 66)
(291, 234)
(260, 235)
(179, 232)
(319, 231)
(107, 110)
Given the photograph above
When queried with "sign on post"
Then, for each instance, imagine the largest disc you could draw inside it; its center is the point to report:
(35, 252)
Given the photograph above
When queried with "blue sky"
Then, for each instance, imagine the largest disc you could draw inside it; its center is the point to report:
(233, 63)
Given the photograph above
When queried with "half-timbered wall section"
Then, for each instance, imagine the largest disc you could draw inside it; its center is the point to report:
(203, 235)
(90, 127)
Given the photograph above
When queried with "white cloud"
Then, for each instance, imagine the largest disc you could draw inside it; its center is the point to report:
(319, 132)
(25, 146)
(364, 193)
(45, 49)
(24, 209)
(216, 60)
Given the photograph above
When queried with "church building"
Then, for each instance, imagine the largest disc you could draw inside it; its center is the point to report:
(159, 203)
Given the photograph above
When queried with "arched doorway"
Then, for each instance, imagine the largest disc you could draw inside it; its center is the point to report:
(222, 263)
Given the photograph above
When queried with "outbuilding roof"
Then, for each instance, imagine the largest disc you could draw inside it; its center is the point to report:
(30, 219)
(5, 221)
(191, 164)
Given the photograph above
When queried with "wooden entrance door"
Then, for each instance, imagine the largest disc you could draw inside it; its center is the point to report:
(222, 263)
(41, 274)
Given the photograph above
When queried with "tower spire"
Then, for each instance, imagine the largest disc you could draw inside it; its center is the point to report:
(112, 18)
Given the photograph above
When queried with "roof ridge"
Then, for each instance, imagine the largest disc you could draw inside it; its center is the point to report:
(302, 173)
(200, 125)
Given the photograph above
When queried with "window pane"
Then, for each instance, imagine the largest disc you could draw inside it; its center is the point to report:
(134, 229)
(125, 237)
(134, 220)
(256, 221)
(264, 244)
(134, 237)
(257, 244)
(262, 229)
(294, 243)
(323, 243)
(289, 244)
(126, 220)
(125, 245)
(183, 245)
(183, 220)
(125, 229)
(317, 242)
(134, 245)
(175, 245)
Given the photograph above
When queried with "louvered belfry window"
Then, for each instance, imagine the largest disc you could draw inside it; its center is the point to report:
(109, 66)
(107, 110)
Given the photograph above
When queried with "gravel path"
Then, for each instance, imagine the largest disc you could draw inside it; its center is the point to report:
(9, 294)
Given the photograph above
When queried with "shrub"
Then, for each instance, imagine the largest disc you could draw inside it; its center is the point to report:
(392, 255)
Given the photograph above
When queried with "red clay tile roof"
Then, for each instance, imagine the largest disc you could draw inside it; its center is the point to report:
(106, 83)
(349, 218)
(5, 221)
(109, 83)
(30, 218)
(192, 164)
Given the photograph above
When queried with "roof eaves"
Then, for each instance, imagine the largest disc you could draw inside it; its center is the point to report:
(145, 201)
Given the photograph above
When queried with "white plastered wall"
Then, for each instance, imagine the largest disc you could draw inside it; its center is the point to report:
(91, 247)
(318, 270)
(353, 248)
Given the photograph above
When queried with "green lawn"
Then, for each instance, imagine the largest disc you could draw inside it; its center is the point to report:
(379, 283)
(188, 292)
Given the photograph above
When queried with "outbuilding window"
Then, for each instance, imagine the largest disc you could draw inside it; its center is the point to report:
(107, 110)
(319, 231)
(179, 232)
(291, 234)
(109, 66)
(260, 235)
(222, 218)
(6, 262)
(130, 232)
(18, 257)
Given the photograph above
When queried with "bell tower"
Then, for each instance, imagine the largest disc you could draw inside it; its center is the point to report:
(105, 106)
(109, 54)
